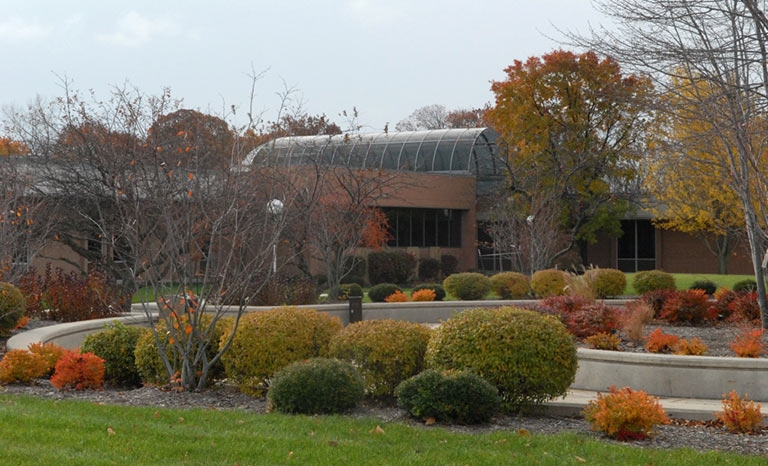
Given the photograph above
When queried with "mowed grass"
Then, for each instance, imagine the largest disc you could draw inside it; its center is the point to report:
(44, 432)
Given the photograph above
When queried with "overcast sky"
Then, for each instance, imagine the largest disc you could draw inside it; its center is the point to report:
(385, 57)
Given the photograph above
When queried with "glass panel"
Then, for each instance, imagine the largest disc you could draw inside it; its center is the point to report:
(646, 240)
(426, 156)
(627, 265)
(626, 242)
(430, 228)
(417, 227)
(646, 264)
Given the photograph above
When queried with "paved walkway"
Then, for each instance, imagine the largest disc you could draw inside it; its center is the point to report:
(676, 408)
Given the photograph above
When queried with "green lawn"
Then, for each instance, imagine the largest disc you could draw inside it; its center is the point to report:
(44, 432)
(684, 280)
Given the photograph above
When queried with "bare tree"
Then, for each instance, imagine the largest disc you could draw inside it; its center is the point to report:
(198, 239)
(427, 117)
(719, 46)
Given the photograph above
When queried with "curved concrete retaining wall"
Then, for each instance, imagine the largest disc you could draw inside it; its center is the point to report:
(660, 375)
(704, 377)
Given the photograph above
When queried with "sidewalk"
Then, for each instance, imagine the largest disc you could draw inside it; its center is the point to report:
(676, 408)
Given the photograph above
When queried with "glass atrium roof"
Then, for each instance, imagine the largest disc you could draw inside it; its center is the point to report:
(460, 150)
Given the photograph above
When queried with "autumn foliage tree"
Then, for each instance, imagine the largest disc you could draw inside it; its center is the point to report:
(572, 127)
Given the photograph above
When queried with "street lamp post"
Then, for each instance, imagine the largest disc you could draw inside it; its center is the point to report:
(275, 208)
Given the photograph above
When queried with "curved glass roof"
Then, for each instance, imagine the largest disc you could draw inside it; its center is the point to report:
(460, 150)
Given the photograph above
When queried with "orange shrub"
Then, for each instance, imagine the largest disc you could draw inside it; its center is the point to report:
(740, 416)
(692, 347)
(397, 297)
(21, 366)
(603, 341)
(23, 322)
(660, 342)
(50, 352)
(749, 343)
(79, 371)
(424, 295)
(625, 414)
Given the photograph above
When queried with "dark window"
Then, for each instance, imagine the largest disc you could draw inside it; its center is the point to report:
(424, 228)
(637, 246)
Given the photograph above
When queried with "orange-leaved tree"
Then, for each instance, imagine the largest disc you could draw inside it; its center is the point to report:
(572, 127)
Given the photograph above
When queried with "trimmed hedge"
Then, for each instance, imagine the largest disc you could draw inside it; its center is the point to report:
(467, 286)
(652, 280)
(548, 282)
(316, 386)
(511, 285)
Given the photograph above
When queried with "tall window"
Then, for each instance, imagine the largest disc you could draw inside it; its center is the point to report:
(637, 246)
(424, 228)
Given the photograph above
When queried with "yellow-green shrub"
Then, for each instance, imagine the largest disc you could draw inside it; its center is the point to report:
(529, 357)
(386, 352)
(265, 342)
(467, 286)
(607, 282)
(510, 285)
(548, 282)
(11, 307)
(651, 280)
(116, 345)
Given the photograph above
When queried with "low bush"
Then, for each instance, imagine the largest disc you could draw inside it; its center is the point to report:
(70, 297)
(386, 352)
(397, 297)
(740, 415)
(453, 397)
(21, 366)
(708, 286)
(316, 386)
(582, 317)
(528, 356)
(748, 284)
(467, 286)
(79, 371)
(625, 414)
(379, 293)
(692, 347)
(660, 342)
(607, 283)
(549, 282)
(510, 285)
(349, 289)
(438, 289)
(651, 280)
(50, 352)
(603, 341)
(429, 269)
(281, 290)
(749, 343)
(267, 341)
(423, 295)
(744, 308)
(657, 298)
(11, 307)
(688, 306)
(116, 345)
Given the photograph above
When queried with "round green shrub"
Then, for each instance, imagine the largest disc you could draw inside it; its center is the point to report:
(708, 286)
(651, 280)
(350, 289)
(607, 283)
(267, 341)
(511, 285)
(378, 293)
(116, 346)
(747, 284)
(438, 289)
(467, 286)
(316, 386)
(386, 352)
(455, 397)
(529, 357)
(11, 307)
(548, 282)
(147, 356)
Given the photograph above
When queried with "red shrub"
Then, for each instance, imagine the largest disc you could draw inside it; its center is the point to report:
(744, 308)
(660, 342)
(581, 316)
(79, 371)
(688, 306)
(657, 298)
(71, 297)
